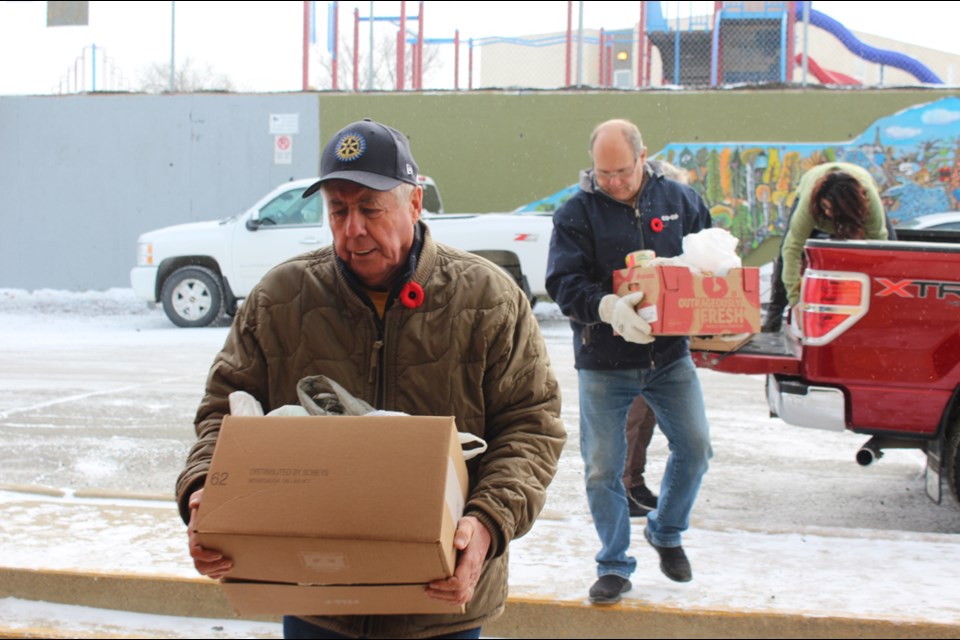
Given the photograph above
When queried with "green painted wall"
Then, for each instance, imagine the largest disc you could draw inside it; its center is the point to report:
(497, 151)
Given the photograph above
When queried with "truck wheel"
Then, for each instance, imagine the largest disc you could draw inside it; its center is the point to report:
(952, 466)
(192, 297)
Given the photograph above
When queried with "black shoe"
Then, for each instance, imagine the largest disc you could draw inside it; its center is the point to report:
(608, 589)
(673, 561)
(641, 501)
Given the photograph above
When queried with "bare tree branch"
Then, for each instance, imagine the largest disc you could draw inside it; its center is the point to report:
(189, 77)
(384, 65)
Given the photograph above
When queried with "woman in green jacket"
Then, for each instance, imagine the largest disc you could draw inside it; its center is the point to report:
(839, 199)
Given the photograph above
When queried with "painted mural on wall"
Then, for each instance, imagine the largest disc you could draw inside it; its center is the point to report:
(750, 188)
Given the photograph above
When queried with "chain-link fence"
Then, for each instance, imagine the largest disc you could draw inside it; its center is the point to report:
(645, 45)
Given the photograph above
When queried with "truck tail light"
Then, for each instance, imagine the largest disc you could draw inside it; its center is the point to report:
(831, 303)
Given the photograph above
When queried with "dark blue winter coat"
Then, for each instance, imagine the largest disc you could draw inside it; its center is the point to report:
(592, 234)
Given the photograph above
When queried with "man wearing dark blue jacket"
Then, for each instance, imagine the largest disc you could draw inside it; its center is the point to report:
(625, 204)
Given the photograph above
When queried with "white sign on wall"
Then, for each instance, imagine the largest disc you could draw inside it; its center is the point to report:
(284, 123)
(283, 149)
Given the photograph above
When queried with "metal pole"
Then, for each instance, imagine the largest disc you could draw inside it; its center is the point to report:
(356, 50)
(370, 61)
(306, 45)
(470, 68)
(566, 76)
(806, 40)
(414, 52)
(456, 60)
(336, 44)
(173, 40)
(718, 16)
(580, 48)
(676, 55)
(791, 38)
(420, 47)
(401, 40)
(602, 57)
(610, 61)
(93, 67)
(641, 32)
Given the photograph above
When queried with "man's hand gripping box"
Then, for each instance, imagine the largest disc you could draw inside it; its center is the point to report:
(678, 303)
(334, 515)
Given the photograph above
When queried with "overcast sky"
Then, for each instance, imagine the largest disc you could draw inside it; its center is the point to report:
(258, 45)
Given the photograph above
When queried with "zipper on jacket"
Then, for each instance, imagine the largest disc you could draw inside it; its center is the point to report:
(374, 359)
(638, 216)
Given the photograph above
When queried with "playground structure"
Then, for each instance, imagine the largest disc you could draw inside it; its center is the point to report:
(753, 42)
(727, 43)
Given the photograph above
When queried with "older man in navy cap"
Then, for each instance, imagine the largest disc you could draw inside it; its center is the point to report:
(407, 325)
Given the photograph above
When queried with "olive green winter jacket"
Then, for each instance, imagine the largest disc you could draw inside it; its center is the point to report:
(472, 350)
(802, 222)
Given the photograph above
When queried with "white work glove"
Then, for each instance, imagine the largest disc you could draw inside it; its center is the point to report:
(622, 314)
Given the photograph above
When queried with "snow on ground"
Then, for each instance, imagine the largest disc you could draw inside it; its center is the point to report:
(87, 622)
(97, 392)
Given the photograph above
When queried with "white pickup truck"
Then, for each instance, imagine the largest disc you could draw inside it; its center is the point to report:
(200, 270)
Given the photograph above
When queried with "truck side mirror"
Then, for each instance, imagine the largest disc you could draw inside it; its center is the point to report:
(253, 223)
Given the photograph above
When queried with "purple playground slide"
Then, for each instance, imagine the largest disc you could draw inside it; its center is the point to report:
(871, 54)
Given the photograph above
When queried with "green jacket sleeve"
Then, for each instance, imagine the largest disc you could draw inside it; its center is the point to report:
(801, 226)
(239, 365)
(524, 433)
(876, 226)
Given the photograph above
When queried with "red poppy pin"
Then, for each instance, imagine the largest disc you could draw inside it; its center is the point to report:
(411, 296)
(657, 225)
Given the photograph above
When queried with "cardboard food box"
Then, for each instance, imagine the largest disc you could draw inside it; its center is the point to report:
(334, 515)
(724, 343)
(678, 303)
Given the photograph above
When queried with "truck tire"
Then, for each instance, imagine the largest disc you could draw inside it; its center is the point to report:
(192, 297)
(952, 461)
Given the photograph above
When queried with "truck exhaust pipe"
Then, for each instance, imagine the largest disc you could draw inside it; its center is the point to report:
(869, 453)
(872, 450)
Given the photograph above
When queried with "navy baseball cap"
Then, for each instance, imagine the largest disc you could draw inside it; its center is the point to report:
(368, 153)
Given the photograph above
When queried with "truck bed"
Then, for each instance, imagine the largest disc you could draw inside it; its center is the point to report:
(764, 353)
(881, 331)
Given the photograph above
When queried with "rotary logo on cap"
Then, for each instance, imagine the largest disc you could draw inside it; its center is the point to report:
(350, 147)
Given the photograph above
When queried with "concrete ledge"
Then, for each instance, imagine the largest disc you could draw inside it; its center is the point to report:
(163, 595)
(106, 494)
(523, 618)
(38, 632)
(544, 619)
(30, 489)
(119, 495)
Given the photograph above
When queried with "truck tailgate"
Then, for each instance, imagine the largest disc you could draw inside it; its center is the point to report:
(764, 353)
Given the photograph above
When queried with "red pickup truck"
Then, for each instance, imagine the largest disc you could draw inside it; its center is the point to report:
(873, 347)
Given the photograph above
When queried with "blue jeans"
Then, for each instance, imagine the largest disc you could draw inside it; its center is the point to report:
(297, 628)
(673, 392)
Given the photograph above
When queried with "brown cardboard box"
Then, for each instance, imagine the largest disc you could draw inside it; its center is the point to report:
(334, 515)
(730, 342)
(679, 303)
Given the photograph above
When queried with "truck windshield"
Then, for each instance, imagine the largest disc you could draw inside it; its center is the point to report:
(431, 198)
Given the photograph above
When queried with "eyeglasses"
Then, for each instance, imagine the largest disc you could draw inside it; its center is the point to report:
(619, 174)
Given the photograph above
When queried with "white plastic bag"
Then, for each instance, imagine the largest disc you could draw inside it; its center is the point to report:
(711, 250)
(338, 402)
(244, 404)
